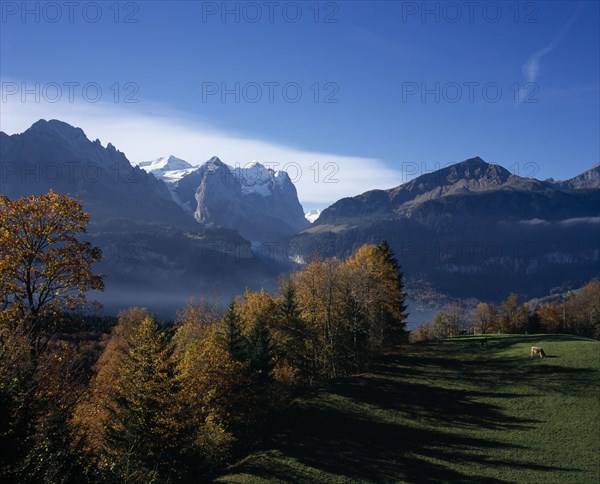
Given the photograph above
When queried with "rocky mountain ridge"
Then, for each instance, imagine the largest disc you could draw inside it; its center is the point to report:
(261, 203)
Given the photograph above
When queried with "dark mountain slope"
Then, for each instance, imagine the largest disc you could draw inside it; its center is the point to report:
(470, 230)
(155, 254)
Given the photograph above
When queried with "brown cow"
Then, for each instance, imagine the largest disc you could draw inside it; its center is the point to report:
(537, 350)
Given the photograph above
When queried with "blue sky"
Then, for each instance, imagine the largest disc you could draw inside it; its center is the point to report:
(408, 89)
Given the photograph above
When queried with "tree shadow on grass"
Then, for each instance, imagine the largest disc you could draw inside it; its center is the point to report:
(416, 416)
(327, 436)
(385, 427)
(428, 403)
(357, 449)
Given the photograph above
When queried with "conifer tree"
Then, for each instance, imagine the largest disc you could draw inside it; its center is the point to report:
(397, 325)
(232, 333)
(259, 352)
(293, 328)
(260, 367)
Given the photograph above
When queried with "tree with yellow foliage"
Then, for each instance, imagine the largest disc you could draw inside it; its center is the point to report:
(95, 409)
(320, 289)
(212, 399)
(485, 317)
(372, 297)
(141, 437)
(44, 267)
(45, 270)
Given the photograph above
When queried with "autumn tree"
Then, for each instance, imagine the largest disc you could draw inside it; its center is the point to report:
(441, 325)
(213, 403)
(45, 270)
(424, 332)
(319, 288)
(94, 411)
(581, 310)
(51, 451)
(35, 405)
(456, 319)
(44, 267)
(248, 326)
(193, 321)
(508, 313)
(141, 437)
(485, 317)
(590, 314)
(370, 303)
(449, 323)
(549, 315)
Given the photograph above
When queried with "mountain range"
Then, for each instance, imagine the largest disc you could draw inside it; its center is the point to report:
(155, 253)
(472, 229)
(170, 230)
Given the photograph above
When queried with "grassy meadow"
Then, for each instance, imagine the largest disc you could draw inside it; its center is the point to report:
(443, 411)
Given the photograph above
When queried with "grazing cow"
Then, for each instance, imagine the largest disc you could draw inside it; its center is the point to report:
(536, 350)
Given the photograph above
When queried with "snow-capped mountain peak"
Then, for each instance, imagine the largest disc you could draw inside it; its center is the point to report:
(258, 179)
(168, 168)
(254, 178)
(165, 163)
(312, 215)
(261, 203)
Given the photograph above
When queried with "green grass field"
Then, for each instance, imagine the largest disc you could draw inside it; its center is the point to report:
(447, 411)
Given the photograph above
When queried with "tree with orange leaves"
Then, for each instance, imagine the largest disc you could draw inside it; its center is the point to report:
(44, 271)
(44, 267)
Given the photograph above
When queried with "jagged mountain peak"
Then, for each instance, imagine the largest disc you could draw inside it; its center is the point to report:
(57, 126)
(476, 160)
(54, 128)
(74, 139)
(471, 175)
(471, 169)
(262, 204)
(255, 178)
(103, 178)
(215, 160)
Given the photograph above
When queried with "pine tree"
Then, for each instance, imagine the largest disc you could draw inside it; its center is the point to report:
(289, 307)
(260, 368)
(234, 341)
(259, 352)
(293, 329)
(397, 325)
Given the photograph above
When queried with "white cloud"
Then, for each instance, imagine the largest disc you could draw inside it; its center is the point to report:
(567, 221)
(142, 134)
(531, 68)
(581, 220)
(534, 221)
